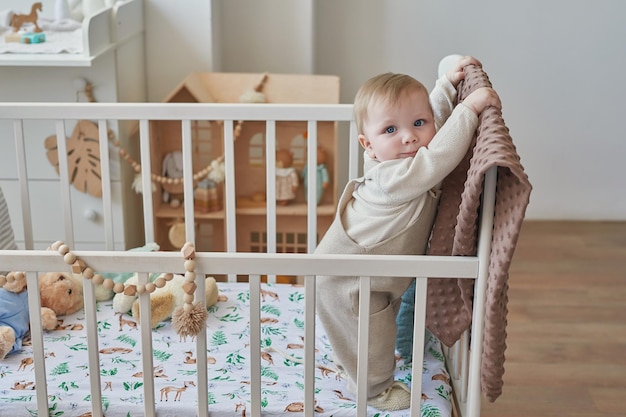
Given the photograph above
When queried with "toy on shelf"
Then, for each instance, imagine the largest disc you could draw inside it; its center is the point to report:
(322, 174)
(287, 180)
(18, 20)
(206, 197)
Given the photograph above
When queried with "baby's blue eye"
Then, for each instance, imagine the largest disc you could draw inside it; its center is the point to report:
(419, 122)
(390, 129)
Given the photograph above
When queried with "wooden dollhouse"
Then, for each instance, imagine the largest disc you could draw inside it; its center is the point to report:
(250, 170)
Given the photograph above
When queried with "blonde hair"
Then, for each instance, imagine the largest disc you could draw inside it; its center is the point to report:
(388, 86)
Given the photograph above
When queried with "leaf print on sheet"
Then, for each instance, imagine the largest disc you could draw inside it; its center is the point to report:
(296, 297)
(65, 386)
(273, 331)
(230, 318)
(429, 410)
(443, 392)
(270, 309)
(78, 347)
(127, 340)
(436, 354)
(132, 386)
(218, 338)
(60, 369)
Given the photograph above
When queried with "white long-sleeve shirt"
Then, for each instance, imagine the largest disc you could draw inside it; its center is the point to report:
(391, 194)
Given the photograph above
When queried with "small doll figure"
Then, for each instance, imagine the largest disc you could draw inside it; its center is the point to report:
(321, 172)
(286, 177)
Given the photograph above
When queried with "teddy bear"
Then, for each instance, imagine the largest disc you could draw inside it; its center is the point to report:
(60, 293)
(164, 300)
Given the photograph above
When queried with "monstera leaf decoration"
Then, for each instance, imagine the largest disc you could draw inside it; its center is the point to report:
(83, 157)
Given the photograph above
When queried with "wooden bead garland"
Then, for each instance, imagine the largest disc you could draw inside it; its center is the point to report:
(188, 320)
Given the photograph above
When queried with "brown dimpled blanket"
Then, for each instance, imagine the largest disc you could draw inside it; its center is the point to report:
(455, 232)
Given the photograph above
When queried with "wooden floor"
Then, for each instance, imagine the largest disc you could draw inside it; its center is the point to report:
(566, 354)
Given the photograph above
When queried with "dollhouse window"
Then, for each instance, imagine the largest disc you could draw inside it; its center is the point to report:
(201, 134)
(256, 150)
(288, 242)
(298, 149)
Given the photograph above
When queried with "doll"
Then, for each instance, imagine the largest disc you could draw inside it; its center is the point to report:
(321, 172)
(286, 177)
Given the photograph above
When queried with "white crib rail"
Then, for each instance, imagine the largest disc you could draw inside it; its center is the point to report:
(231, 263)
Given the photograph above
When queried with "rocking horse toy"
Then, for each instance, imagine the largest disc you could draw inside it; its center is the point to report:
(18, 20)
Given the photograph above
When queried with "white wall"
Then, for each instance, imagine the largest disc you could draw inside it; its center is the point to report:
(557, 66)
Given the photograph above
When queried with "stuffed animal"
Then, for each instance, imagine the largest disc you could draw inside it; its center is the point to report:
(60, 293)
(164, 300)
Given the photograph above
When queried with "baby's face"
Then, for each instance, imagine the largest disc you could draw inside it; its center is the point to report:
(398, 130)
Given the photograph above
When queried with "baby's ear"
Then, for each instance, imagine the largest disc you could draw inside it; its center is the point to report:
(367, 145)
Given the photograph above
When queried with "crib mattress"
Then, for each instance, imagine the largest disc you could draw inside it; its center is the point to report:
(228, 352)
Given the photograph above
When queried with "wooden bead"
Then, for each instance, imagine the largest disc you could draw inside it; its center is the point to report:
(188, 251)
(190, 276)
(168, 276)
(150, 287)
(187, 307)
(130, 290)
(56, 245)
(118, 288)
(78, 267)
(63, 249)
(97, 279)
(188, 298)
(108, 284)
(141, 289)
(69, 258)
(160, 282)
(88, 273)
(190, 265)
(189, 287)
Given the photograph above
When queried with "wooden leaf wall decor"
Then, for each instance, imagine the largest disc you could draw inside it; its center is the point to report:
(83, 157)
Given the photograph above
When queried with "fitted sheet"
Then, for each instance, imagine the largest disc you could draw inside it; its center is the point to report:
(228, 352)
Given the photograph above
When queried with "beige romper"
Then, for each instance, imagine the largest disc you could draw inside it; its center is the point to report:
(338, 297)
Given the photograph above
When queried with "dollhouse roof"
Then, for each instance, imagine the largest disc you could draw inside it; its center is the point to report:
(215, 87)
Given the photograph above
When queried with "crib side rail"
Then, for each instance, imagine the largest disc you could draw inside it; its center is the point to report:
(254, 265)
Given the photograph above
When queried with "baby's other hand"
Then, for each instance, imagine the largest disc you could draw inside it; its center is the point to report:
(456, 73)
(481, 98)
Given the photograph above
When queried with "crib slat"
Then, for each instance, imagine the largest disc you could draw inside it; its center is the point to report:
(146, 180)
(64, 183)
(36, 337)
(105, 172)
(255, 344)
(230, 206)
(309, 345)
(421, 290)
(270, 187)
(187, 150)
(91, 324)
(145, 328)
(354, 154)
(311, 186)
(480, 290)
(201, 357)
(363, 341)
(27, 222)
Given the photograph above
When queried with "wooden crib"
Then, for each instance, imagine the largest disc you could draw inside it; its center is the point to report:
(247, 277)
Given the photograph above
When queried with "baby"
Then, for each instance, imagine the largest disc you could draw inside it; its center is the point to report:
(412, 141)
